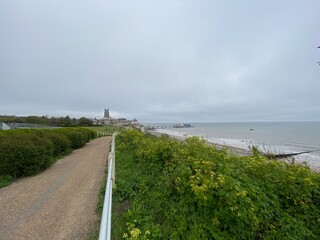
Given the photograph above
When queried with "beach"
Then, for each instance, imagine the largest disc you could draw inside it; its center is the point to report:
(233, 149)
(241, 147)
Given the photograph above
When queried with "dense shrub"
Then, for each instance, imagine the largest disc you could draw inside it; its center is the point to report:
(61, 143)
(26, 152)
(90, 133)
(77, 139)
(192, 191)
(23, 156)
(77, 136)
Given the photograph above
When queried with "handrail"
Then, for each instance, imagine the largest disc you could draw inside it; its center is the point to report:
(105, 226)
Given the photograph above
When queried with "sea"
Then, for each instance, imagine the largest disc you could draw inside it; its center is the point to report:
(274, 137)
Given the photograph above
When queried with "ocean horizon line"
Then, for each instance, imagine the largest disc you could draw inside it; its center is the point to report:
(196, 122)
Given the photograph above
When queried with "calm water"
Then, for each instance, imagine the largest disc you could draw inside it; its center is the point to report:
(276, 137)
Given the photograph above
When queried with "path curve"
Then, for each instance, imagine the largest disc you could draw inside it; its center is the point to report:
(58, 203)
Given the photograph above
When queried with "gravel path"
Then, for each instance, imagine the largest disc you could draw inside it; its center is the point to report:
(60, 202)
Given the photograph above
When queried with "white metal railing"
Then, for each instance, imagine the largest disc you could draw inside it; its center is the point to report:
(105, 226)
(101, 134)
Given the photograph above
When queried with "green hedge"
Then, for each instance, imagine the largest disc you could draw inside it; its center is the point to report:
(27, 152)
(172, 190)
(61, 143)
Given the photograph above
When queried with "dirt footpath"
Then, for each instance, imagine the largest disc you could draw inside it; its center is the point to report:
(60, 202)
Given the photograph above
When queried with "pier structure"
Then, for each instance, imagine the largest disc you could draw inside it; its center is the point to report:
(163, 126)
(179, 125)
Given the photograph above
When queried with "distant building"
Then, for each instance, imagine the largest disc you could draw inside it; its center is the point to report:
(109, 121)
(106, 113)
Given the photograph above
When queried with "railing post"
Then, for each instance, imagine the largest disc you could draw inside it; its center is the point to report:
(113, 175)
(113, 151)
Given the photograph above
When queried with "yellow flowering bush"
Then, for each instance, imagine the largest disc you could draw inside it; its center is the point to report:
(189, 190)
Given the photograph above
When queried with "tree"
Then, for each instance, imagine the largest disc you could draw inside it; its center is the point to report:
(85, 122)
(67, 121)
(36, 120)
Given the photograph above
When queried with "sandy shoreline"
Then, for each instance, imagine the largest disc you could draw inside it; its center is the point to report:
(235, 150)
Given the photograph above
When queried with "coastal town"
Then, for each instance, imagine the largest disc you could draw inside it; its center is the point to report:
(107, 120)
(29, 122)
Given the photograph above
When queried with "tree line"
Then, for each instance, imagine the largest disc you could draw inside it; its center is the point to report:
(49, 121)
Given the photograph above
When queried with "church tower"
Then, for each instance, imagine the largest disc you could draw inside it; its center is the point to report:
(106, 113)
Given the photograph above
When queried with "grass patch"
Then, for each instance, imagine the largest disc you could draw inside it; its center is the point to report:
(128, 178)
(5, 180)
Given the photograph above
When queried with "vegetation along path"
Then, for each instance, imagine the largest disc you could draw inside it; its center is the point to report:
(60, 202)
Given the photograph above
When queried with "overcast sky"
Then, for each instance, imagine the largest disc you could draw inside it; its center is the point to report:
(161, 61)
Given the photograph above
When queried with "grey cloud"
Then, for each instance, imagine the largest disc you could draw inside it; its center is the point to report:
(161, 60)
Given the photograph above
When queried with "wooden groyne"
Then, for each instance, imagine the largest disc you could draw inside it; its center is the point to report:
(286, 155)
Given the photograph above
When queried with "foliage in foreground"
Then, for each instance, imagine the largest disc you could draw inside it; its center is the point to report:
(171, 190)
(27, 152)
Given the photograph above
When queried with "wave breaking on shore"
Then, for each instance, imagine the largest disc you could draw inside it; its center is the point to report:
(242, 147)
